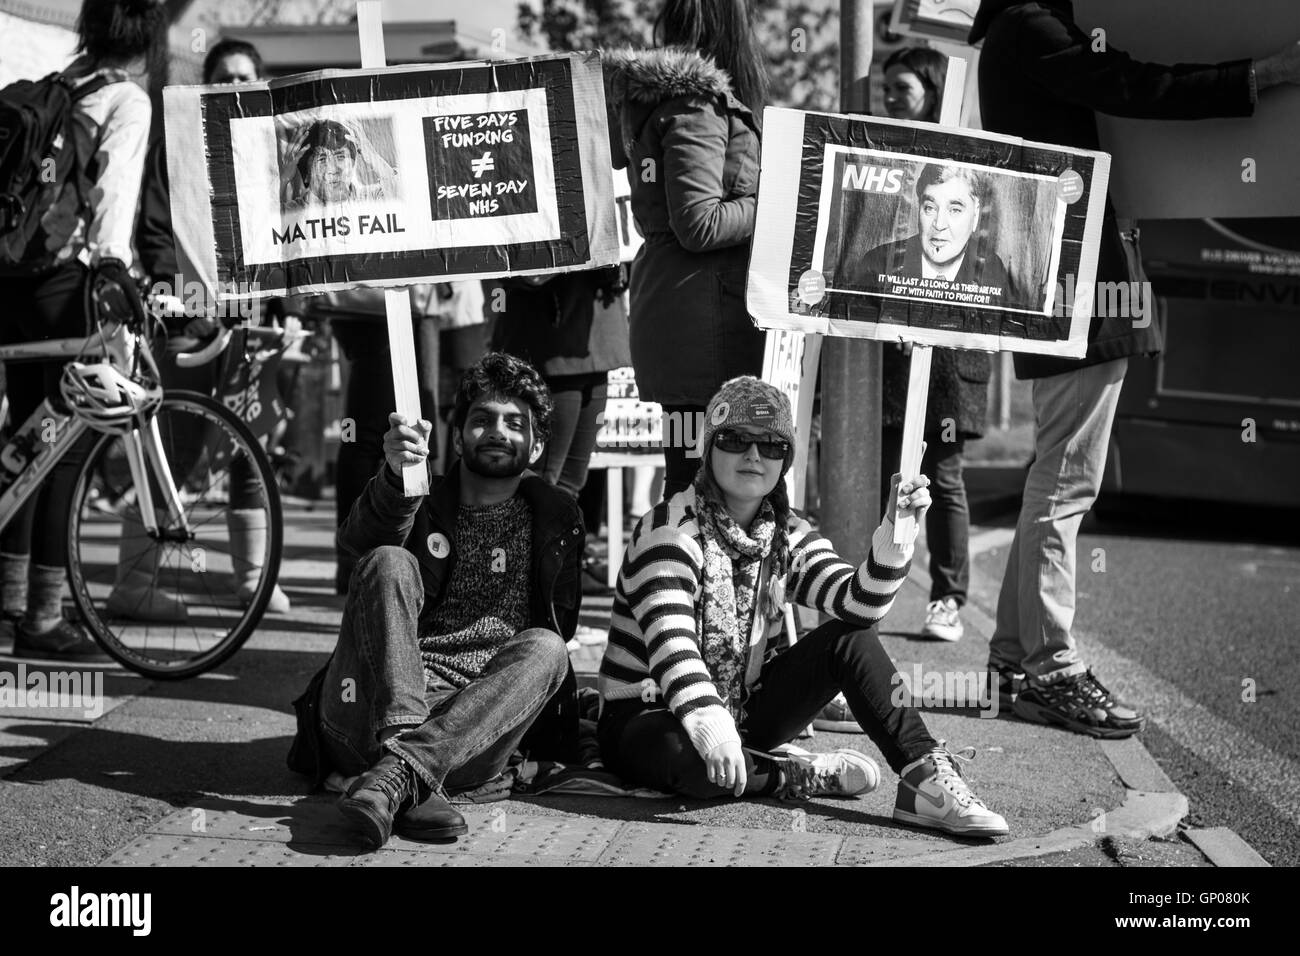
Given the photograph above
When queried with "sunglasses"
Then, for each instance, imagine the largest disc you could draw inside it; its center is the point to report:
(736, 443)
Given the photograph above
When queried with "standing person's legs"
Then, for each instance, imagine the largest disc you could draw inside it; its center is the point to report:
(566, 397)
(947, 523)
(585, 401)
(1073, 414)
(680, 423)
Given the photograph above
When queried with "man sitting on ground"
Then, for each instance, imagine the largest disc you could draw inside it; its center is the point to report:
(453, 638)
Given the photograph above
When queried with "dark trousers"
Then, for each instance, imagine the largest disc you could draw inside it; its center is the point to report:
(369, 400)
(646, 745)
(37, 309)
(579, 400)
(458, 738)
(679, 468)
(947, 523)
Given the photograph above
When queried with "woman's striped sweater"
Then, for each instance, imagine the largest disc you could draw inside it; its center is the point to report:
(654, 650)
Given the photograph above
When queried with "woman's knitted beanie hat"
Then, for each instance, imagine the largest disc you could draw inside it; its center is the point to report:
(748, 401)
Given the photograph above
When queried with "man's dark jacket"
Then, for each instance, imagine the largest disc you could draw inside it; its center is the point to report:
(904, 257)
(384, 516)
(1040, 79)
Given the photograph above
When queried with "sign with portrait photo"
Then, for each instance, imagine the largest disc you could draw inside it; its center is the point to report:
(892, 230)
(395, 176)
(949, 20)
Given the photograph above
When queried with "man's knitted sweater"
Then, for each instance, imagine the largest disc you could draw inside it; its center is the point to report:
(654, 648)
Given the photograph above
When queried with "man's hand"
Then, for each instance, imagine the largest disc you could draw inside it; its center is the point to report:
(726, 767)
(911, 497)
(406, 443)
(1281, 67)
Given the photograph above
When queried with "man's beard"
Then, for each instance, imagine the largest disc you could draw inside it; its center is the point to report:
(496, 467)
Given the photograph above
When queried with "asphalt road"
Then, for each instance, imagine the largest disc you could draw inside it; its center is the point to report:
(1190, 613)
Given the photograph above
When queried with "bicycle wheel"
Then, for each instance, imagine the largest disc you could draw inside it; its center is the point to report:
(167, 603)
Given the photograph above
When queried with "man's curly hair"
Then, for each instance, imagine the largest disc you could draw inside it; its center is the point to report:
(499, 375)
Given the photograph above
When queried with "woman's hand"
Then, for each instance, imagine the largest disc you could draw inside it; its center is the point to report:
(726, 767)
(406, 443)
(911, 497)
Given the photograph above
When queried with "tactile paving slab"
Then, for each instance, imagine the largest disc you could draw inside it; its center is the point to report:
(309, 821)
(857, 851)
(390, 857)
(498, 830)
(662, 844)
(165, 849)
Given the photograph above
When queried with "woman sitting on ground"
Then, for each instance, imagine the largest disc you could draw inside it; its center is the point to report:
(695, 691)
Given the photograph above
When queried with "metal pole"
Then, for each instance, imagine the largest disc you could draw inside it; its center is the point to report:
(851, 368)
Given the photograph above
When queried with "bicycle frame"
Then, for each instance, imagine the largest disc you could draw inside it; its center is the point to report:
(42, 441)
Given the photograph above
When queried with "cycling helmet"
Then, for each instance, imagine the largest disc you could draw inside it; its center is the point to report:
(105, 398)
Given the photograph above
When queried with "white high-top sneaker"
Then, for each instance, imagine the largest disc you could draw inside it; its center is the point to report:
(933, 793)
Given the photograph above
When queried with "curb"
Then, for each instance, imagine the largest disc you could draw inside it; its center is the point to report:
(1140, 817)
(1152, 807)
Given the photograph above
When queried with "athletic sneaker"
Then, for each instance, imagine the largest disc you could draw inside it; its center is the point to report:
(941, 620)
(836, 718)
(843, 773)
(933, 793)
(1078, 703)
(1010, 680)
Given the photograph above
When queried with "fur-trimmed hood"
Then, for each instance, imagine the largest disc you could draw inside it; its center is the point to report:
(652, 76)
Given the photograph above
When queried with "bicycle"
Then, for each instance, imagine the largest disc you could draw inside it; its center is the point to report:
(149, 501)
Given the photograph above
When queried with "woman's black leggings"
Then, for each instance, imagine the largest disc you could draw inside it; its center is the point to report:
(647, 746)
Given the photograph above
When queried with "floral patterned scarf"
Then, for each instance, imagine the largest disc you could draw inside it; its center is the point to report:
(731, 592)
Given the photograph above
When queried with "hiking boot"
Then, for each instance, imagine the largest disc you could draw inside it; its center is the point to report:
(1010, 680)
(836, 718)
(933, 793)
(432, 819)
(941, 620)
(1079, 703)
(376, 797)
(65, 641)
(843, 773)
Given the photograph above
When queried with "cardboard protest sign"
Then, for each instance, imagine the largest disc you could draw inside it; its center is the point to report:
(1233, 168)
(628, 424)
(883, 229)
(629, 239)
(790, 362)
(934, 19)
(393, 176)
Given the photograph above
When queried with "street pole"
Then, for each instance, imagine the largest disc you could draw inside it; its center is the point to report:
(851, 368)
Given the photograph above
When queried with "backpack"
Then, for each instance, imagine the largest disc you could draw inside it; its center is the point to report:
(41, 170)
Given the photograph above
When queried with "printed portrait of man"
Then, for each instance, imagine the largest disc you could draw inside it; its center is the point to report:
(328, 164)
(953, 204)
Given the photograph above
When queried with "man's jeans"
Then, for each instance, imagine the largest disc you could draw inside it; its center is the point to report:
(1073, 412)
(458, 739)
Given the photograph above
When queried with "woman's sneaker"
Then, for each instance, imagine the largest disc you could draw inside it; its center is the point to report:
(843, 773)
(836, 717)
(942, 621)
(933, 793)
(1078, 703)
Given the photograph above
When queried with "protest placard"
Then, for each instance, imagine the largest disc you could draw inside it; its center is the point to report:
(628, 424)
(629, 239)
(393, 176)
(894, 230)
(934, 19)
(790, 362)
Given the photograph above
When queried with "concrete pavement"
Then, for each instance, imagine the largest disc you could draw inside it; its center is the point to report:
(193, 773)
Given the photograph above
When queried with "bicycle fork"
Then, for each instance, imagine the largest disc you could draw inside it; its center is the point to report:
(143, 446)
